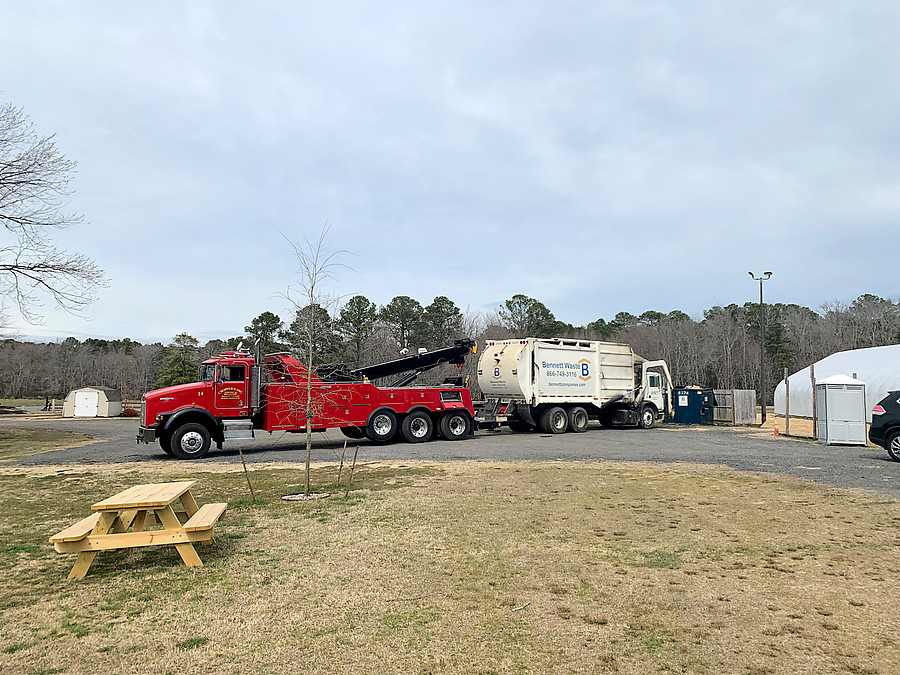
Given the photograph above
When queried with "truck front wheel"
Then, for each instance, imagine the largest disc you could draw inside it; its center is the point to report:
(554, 421)
(165, 442)
(648, 417)
(190, 441)
(382, 426)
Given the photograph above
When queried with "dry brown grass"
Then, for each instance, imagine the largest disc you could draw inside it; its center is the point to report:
(466, 567)
(16, 443)
(799, 427)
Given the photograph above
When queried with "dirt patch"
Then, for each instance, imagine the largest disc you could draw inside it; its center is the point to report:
(465, 567)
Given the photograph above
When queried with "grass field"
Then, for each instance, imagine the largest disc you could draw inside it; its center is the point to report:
(19, 402)
(462, 567)
(16, 443)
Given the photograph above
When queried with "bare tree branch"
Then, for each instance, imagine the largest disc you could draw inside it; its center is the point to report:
(34, 185)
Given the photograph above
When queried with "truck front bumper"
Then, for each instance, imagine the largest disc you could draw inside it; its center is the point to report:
(146, 435)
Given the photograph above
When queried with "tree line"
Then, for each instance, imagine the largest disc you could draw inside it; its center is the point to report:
(720, 349)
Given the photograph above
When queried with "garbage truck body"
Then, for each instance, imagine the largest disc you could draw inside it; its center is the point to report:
(557, 385)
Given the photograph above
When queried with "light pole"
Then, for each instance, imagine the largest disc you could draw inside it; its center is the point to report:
(762, 344)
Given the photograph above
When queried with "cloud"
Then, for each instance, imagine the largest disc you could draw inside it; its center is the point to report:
(601, 157)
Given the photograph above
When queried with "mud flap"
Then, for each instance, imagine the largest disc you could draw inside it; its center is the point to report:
(524, 412)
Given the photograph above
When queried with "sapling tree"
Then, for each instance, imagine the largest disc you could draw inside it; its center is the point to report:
(316, 265)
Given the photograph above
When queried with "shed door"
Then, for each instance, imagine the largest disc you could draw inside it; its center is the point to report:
(86, 403)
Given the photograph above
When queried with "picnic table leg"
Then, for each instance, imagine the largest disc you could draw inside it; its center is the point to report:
(139, 519)
(124, 521)
(85, 558)
(189, 503)
(186, 550)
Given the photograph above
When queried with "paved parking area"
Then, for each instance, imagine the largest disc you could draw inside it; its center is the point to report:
(856, 467)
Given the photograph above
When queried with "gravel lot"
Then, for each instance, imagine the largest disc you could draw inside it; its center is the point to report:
(855, 467)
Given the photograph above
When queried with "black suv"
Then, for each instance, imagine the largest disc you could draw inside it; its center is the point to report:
(885, 429)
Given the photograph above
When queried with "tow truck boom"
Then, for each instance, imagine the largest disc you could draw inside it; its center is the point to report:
(417, 363)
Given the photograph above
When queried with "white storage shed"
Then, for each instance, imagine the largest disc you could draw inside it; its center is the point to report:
(878, 367)
(93, 402)
(841, 410)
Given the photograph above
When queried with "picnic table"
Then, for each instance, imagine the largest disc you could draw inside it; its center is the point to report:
(124, 521)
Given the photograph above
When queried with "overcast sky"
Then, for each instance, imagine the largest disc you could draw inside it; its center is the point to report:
(598, 156)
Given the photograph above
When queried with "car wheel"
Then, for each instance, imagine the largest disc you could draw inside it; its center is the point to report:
(578, 419)
(455, 426)
(648, 417)
(892, 445)
(554, 421)
(382, 426)
(417, 427)
(190, 441)
(353, 432)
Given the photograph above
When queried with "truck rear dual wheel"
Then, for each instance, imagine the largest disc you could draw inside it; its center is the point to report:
(190, 441)
(455, 426)
(554, 421)
(381, 426)
(578, 419)
(417, 427)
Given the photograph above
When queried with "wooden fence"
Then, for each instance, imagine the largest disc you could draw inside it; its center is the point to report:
(734, 406)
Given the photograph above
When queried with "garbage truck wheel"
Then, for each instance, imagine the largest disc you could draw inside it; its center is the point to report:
(648, 417)
(578, 419)
(554, 421)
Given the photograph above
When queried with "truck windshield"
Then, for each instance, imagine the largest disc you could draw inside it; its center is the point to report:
(207, 372)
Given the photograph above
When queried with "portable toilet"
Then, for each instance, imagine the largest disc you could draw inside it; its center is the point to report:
(841, 410)
(693, 405)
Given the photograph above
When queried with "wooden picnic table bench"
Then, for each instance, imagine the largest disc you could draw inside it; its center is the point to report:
(122, 521)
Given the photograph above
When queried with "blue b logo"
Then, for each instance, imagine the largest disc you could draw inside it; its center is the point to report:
(585, 370)
(497, 371)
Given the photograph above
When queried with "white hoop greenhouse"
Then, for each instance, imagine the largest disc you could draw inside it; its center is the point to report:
(878, 367)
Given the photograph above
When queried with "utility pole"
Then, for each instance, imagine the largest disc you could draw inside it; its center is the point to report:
(762, 344)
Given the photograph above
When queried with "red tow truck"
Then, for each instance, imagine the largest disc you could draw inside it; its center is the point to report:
(239, 394)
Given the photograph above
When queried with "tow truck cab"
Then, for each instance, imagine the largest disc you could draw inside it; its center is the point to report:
(225, 390)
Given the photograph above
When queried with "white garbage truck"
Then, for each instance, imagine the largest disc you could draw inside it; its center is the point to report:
(558, 385)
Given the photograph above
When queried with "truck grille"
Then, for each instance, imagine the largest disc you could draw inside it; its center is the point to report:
(143, 410)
